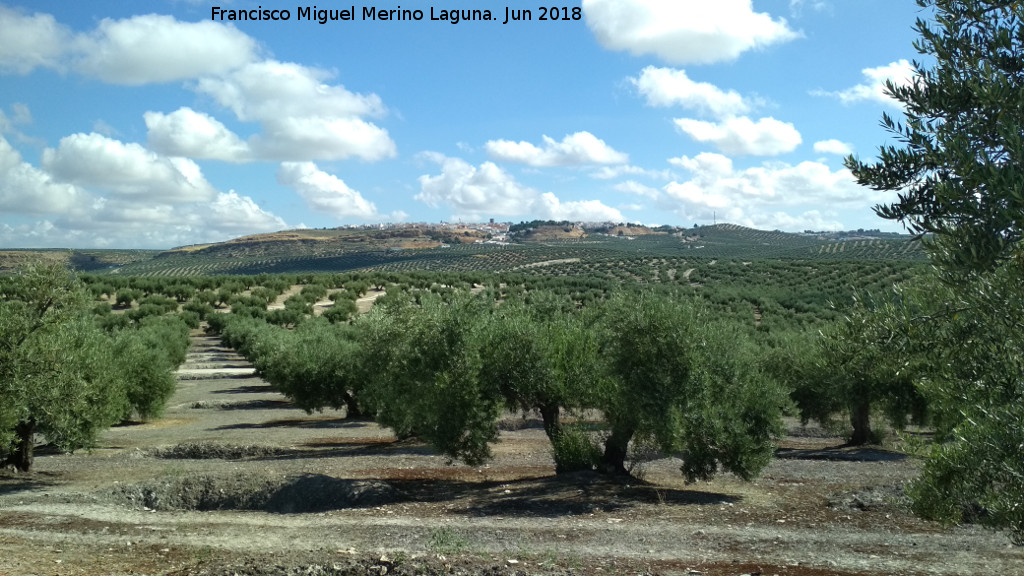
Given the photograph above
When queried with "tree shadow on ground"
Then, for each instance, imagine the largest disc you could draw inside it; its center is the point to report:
(14, 482)
(250, 389)
(215, 376)
(347, 447)
(554, 496)
(257, 405)
(841, 453)
(303, 493)
(322, 423)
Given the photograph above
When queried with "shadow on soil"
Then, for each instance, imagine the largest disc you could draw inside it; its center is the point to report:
(13, 482)
(553, 496)
(557, 496)
(284, 495)
(253, 389)
(325, 423)
(841, 453)
(249, 405)
(312, 450)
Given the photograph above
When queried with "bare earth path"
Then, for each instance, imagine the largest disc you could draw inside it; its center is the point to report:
(234, 480)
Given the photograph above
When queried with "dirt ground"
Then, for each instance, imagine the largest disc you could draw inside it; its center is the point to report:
(235, 481)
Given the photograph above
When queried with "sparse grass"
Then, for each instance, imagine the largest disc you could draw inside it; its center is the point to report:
(447, 541)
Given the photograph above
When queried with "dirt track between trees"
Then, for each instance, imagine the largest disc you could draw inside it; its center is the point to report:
(234, 480)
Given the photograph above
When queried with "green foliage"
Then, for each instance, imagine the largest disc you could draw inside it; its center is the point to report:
(146, 357)
(574, 450)
(539, 357)
(858, 364)
(960, 178)
(343, 310)
(958, 168)
(58, 375)
(972, 340)
(423, 366)
(683, 382)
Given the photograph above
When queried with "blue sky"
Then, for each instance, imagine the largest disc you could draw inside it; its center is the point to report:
(148, 124)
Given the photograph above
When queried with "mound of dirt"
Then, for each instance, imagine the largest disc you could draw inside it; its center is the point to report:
(291, 494)
(213, 450)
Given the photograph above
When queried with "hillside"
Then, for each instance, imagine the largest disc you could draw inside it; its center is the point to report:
(465, 248)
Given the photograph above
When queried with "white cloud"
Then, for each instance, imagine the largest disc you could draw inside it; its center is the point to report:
(796, 7)
(684, 31)
(669, 87)
(270, 88)
(474, 191)
(20, 114)
(477, 192)
(186, 132)
(611, 172)
(231, 215)
(743, 136)
(901, 73)
(303, 118)
(325, 192)
(302, 115)
(93, 160)
(30, 41)
(574, 150)
(156, 48)
(638, 189)
(833, 147)
(25, 189)
(772, 195)
(549, 207)
(75, 216)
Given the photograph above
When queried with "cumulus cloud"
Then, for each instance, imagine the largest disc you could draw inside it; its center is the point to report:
(24, 189)
(901, 73)
(669, 87)
(186, 132)
(79, 207)
(772, 195)
(156, 48)
(574, 150)
(549, 207)
(743, 136)
(325, 192)
(477, 192)
(833, 147)
(94, 160)
(302, 116)
(731, 132)
(474, 190)
(684, 31)
(30, 41)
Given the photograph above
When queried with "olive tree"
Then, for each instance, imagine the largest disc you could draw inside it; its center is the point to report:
(542, 357)
(58, 374)
(958, 170)
(686, 383)
(861, 364)
(423, 365)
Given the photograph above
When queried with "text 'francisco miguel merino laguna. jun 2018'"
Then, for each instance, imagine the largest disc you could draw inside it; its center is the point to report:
(501, 14)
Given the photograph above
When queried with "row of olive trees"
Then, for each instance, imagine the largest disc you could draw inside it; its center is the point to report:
(446, 368)
(64, 376)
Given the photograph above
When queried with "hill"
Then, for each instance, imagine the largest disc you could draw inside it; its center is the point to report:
(467, 248)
